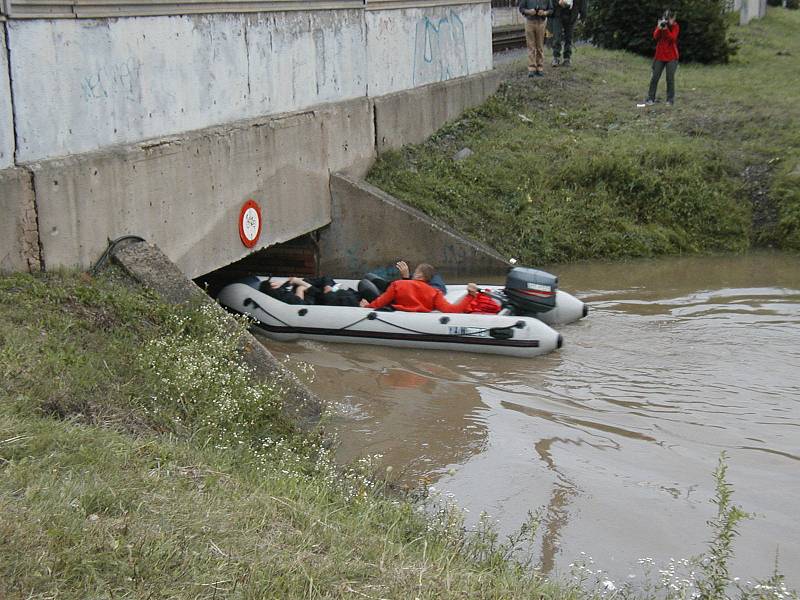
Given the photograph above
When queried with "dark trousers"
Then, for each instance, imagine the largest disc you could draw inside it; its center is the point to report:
(562, 27)
(658, 67)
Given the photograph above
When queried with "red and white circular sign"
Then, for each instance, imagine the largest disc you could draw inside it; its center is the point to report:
(250, 223)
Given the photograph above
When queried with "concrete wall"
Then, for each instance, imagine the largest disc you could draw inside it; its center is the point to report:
(185, 194)
(370, 228)
(6, 117)
(752, 9)
(81, 85)
(163, 126)
(503, 16)
(410, 117)
(84, 84)
(412, 47)
(19, 242)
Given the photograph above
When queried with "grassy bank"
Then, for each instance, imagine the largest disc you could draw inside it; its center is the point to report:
(568, 168)
(137, 460)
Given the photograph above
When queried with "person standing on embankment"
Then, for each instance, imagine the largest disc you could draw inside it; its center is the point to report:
(535, 13)
(565, 14)
(666, 37)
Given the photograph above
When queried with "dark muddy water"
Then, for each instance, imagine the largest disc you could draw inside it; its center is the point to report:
(616, 435)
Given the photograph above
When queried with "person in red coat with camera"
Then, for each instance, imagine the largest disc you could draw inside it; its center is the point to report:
(666, 37)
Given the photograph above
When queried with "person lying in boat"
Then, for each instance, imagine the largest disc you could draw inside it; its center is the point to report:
(318, 290)
(291, 291)
(417, 295)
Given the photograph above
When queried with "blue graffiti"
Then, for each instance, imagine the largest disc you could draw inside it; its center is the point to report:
(440, 49)
(119, 79)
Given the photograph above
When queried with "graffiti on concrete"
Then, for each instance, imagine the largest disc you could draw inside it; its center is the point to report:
(440, 49)
(120, 79)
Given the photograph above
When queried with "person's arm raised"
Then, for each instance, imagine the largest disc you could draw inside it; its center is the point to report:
(672, 31)
(405, 272)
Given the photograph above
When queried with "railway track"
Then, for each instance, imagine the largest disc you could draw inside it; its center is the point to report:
(505, 38)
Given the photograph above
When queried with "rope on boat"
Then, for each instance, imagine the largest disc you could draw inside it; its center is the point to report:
(367, 318)
(479, 332)
(249, 301)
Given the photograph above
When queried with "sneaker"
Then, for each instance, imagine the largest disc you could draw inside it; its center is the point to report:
(567, 63)
(649, 102)
(557, 61)
(531, 73)
(670, 103)
(539, 73)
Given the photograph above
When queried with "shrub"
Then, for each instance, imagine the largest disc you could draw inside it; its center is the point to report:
(775, 2)
(793, 4)
(626, 25)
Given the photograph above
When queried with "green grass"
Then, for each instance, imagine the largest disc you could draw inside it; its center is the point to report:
(568, 168)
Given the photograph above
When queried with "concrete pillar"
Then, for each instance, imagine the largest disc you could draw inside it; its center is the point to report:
(752, 9)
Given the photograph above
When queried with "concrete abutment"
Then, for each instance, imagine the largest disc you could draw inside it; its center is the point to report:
(184, 192)
(371, 228)
(411, 116)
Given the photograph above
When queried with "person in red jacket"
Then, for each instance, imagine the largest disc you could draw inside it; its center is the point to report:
(416, 295)
(666, 37)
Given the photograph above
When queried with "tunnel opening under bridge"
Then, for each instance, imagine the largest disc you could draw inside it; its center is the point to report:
(297, 257)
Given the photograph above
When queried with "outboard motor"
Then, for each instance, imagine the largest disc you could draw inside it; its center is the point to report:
(530, 291)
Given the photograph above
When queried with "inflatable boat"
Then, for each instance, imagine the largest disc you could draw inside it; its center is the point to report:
(522, 335)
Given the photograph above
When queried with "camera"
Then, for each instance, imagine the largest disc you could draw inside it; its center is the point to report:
(662, 23)
(664, 20)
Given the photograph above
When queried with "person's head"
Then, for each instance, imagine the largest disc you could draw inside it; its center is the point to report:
(424, 272)
(669, 16)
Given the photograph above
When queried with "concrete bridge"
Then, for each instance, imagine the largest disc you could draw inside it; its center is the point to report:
(163, 120)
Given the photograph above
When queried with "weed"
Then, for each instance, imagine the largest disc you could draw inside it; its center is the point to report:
(714, 565)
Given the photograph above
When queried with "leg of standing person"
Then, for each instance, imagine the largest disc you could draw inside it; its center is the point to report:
(568, 25)
(539, 28)
(672, 66)
(555, 25)
(658, 67)
(530, 40)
